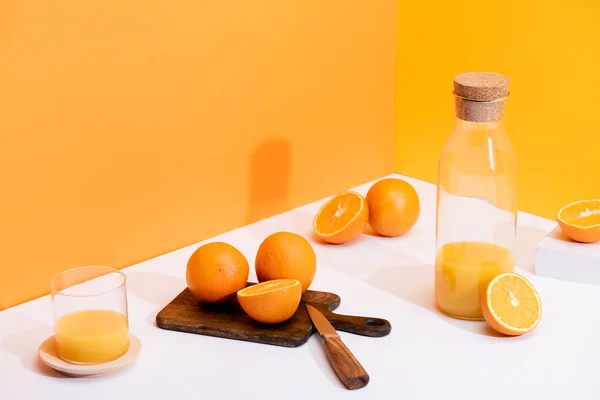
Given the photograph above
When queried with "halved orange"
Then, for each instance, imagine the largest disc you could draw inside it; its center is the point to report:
(342, 218)
(581, 220)
(271, 302)
(511, 304)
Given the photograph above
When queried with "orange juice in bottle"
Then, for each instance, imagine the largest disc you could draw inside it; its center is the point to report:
(476, 209)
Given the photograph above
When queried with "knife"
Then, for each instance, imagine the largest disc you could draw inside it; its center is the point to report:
(345, 365)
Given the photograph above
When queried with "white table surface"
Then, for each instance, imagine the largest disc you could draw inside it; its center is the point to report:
(426, 356)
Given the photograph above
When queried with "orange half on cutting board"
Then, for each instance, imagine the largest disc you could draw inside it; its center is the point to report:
(342, 218)
(511, 305)
(271, 302)
(581, 220)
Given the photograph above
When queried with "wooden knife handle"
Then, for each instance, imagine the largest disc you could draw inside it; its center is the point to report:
(345, 365)
(365, 326)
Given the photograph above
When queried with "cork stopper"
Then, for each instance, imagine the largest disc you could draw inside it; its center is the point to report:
(480, 96)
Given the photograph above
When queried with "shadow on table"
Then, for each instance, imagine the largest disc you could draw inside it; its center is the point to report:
(297, 221)
(396, 273)
(411, 282)
(317, 351)
(370, 232)
(558, 234)
(415, 284)
(25, 343)
(527, 240)
(156, 288)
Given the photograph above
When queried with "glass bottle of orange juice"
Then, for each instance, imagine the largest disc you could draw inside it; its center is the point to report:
(476, 197)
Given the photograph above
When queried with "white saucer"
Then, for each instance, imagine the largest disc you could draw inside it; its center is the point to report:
(47, 353)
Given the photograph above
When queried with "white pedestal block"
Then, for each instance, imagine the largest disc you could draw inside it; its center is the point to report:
(561, 258)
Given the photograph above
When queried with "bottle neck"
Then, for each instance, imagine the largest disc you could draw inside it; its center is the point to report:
(470, 126)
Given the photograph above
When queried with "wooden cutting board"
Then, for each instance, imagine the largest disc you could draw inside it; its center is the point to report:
(186, 314)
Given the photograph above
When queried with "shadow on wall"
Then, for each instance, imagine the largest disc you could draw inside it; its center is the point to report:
(269, 179)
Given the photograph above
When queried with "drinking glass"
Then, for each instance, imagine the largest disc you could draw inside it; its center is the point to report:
(90, 314)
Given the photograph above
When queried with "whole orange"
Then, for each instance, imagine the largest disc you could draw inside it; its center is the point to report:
(286, 255)
(394, 207)
(216, 271)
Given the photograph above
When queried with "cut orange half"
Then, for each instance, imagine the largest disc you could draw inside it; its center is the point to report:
(271, 302)
(511, 305)
(581, 220)
(342, 218)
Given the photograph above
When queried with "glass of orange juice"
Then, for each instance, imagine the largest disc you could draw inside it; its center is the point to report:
(90, 314)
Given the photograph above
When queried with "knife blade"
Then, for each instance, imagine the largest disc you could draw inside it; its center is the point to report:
(350, 372)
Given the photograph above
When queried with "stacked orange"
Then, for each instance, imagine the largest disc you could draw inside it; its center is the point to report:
(285, 267)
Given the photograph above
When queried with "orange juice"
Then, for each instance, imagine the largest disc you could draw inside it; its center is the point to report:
(92, 336)
(463, 271)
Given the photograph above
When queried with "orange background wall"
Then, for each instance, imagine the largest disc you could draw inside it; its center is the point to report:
(129, 129)
(550, 51)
